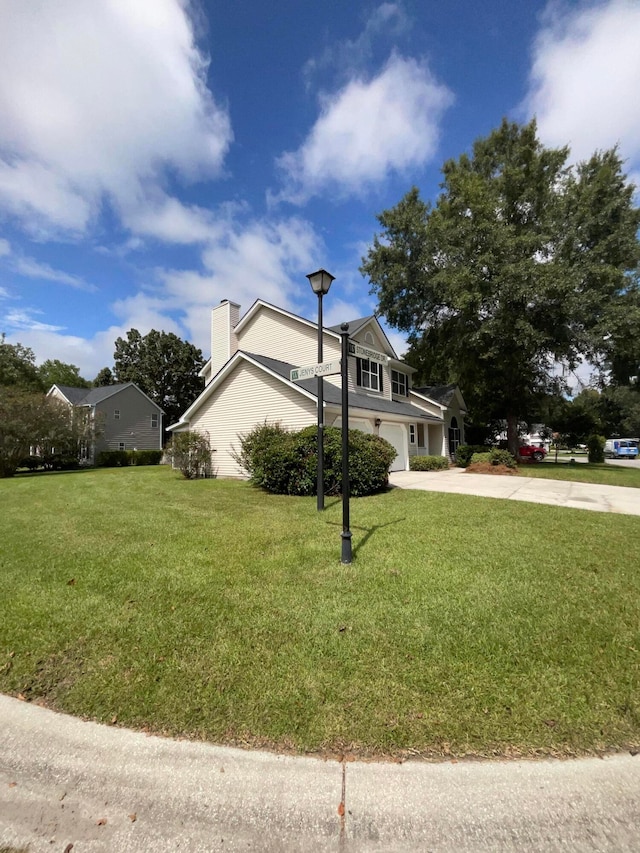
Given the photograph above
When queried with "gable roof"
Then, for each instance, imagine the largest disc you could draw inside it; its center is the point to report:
(442, 394)
(93, 396)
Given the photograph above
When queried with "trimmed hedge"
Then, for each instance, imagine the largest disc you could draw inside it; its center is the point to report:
(464, 452)
(112, 459)
(428, 463)
(285, 463)
(144, 457)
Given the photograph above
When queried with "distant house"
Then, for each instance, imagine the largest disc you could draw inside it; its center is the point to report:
(124, 417)
(247, 382)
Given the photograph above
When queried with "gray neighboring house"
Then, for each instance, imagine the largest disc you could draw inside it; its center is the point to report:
(124, 417)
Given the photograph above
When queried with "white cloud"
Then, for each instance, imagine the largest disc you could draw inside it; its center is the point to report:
(33, 269)
(99, 99)
(367, 130)
(585, 78)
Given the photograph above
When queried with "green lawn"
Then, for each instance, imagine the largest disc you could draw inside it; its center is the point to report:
(583, 472)
(209, 609)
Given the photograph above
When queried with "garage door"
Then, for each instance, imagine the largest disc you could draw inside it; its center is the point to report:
(395, 435)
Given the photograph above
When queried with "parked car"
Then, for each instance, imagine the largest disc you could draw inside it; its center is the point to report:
(532, 452)
(621, 448)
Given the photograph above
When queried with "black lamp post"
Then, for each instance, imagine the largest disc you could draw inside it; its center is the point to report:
(346, 486)
(320, 282)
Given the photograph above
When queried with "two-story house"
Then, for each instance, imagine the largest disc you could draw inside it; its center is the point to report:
(247, 382)
(124, 418)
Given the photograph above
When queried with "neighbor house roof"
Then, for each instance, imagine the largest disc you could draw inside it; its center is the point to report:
(93, 396)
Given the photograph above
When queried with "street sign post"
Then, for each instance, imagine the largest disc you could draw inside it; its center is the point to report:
(326, 368)
(366, 352)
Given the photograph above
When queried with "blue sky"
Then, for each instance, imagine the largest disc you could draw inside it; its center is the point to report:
(157, 156)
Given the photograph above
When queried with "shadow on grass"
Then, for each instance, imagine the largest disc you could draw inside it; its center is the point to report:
(369, 531)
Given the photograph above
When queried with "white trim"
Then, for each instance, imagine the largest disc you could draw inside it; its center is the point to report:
(428, 399)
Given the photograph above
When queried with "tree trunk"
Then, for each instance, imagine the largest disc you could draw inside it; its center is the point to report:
(513, 438)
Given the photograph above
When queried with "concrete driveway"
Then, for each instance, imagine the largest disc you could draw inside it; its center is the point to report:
(532, 489)
(69, 786)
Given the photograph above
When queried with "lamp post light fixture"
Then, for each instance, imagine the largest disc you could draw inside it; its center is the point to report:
(320, 282)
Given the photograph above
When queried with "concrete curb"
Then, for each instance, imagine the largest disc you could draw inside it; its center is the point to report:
(64, 781)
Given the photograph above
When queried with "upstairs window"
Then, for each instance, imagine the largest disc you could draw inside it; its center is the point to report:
(399, 383)
(116, 414)
(368, 374)
(154, 421)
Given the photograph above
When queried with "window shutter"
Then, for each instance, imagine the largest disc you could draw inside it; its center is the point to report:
(380, 376)
(358, 372)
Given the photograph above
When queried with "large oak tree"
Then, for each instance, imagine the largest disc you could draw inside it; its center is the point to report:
(162, 365)
(522, 263)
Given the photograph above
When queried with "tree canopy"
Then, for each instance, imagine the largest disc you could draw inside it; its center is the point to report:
(162, 365)
(18, 366)
(522, 263)
(55, 372)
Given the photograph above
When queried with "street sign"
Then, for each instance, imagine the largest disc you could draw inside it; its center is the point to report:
(325, 368)
(364, 352)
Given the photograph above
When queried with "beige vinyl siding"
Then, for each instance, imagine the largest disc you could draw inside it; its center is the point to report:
(248, 396)
(133, 428)
(275, 335)
(421, 403)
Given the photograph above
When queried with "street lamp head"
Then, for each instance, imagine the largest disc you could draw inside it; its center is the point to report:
(320, 281)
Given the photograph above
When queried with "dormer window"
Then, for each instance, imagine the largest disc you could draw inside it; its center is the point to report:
(399, 383)
(368, 374)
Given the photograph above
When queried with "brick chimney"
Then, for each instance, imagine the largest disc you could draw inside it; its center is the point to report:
(224, 319)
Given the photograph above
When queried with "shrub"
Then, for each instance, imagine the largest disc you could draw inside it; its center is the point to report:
(502, 457)
(595, 448)
(112, 459)
(285, 462)
(190, 452)
(495, 456)
(428, 463)
(144, 457)
(30, 463)
(464, 452)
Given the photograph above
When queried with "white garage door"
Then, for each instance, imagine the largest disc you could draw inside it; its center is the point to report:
(355, 423)
(395, 435)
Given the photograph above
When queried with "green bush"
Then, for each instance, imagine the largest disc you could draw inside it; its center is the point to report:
(595, 448)
(464, 452)
(495, 456)
(428, 463)
(192, 454)
(144, 457)
(30, 463)
(285, 462)
(502, 457)
(112, 459)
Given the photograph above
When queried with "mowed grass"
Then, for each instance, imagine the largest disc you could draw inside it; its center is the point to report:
(583, 472)
(211, 610)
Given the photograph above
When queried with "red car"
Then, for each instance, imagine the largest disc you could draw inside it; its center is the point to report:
(532, 452)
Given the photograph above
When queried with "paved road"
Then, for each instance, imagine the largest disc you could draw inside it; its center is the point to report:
(103, 789)
(532, 489)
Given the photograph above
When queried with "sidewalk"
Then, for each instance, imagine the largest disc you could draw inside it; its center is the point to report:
(102, 789)
(556, 492)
